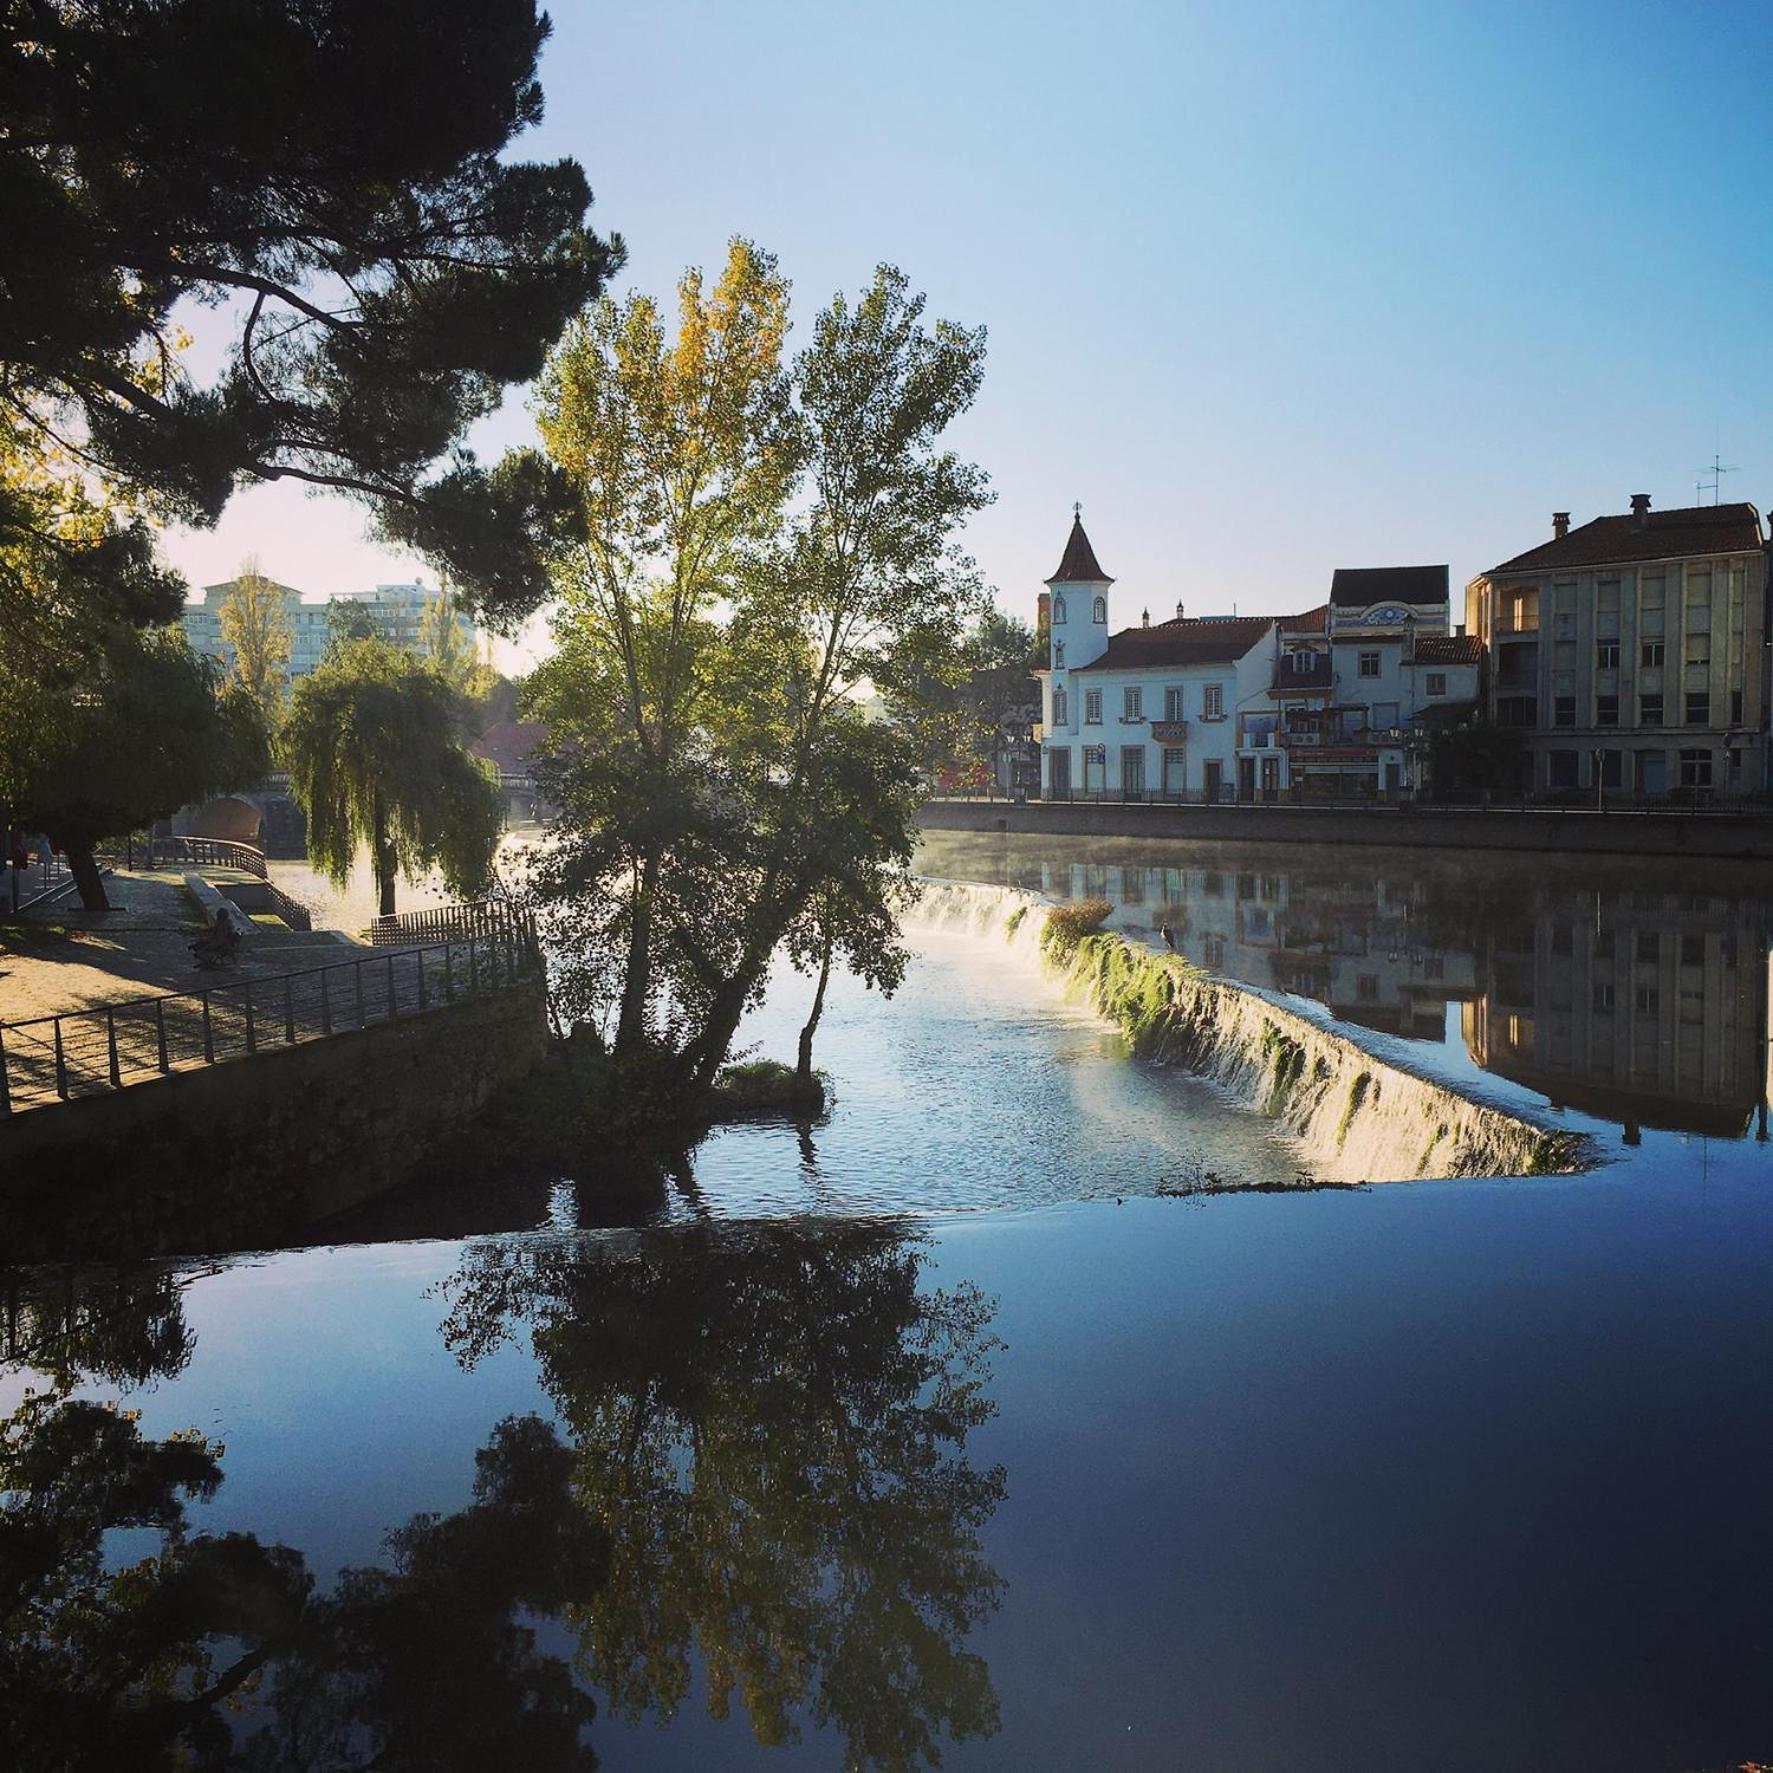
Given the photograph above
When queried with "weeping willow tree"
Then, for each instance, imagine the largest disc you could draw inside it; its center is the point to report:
(375, 757)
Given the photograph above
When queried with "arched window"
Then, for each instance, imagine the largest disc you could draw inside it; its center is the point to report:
(1058, 652)
(1101, 611)
(1058, 609)
(1060, 714)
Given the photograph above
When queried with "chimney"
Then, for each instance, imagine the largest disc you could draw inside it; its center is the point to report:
(1640, 510)
(1560, 525)
(1043, 606)
(1178, 612)
(1145, 618)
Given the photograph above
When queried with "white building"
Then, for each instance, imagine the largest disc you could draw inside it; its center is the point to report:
(1333, 703)
(398, 612)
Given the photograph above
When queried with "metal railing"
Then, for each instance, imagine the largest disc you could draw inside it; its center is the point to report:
(93, 1052)
(453, 923)
(224, 852)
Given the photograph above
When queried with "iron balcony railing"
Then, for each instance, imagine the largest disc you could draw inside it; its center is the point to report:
(93, 1052)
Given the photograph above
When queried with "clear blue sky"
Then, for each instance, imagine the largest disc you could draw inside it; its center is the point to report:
(1270, 288)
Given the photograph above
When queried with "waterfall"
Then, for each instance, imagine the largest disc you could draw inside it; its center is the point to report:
(1355, 1117)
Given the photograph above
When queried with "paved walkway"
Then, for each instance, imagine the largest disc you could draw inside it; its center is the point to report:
(107, 976)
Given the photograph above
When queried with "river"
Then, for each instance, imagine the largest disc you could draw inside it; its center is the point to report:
(937, 1433)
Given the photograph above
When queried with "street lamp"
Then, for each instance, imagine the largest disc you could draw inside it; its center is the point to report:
(1600, 791)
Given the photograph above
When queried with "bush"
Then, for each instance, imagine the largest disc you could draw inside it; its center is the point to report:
(1067, 925)
(765, 1086)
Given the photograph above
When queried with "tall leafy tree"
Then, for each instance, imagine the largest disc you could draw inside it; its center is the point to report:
(754, 545)
(254, 620)
(145, 728)
(375, 757)
(445, 643)
(333, 179)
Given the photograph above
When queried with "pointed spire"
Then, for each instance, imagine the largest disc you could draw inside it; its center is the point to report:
(1079, 567)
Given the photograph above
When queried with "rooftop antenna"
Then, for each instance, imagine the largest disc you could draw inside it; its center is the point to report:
(1718, 468)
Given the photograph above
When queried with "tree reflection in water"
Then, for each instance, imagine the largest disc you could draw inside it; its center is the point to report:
(151, 1664)
(770, 1425)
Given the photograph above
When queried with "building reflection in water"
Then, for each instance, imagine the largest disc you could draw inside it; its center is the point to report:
(1642, 1005)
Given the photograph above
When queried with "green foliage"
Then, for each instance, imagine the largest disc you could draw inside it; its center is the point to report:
(1067, 925)
(1013, 922)
(336, 175)
(145, 729)
(1478, 758)
(753, 544)
(766, 1086)
(254, 620)
(375, 756)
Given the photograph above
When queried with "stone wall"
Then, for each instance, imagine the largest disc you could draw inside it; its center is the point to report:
(1718, 835)
(252, 1150)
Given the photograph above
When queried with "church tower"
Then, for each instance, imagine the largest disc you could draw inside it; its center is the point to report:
(1079, 592)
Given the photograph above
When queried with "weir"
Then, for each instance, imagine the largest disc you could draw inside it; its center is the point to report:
(1354, 1116)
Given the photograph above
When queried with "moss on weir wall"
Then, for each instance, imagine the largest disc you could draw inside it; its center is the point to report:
(1357, 1118)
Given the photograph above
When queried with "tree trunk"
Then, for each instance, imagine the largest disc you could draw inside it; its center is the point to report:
(805, 1069)
(637, 980)
(83, 865)
(382, 855)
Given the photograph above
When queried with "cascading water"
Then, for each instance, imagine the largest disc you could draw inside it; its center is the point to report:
(1354, 1116)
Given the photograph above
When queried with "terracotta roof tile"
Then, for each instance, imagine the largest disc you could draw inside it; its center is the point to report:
(1192, 641)
(1449, 649)
(1666, 535)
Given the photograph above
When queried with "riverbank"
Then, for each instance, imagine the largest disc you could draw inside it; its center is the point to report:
(1571, 830)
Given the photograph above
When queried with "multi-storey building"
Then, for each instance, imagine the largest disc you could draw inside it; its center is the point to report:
(1153, 711)
(397, 612)
(1629, 651)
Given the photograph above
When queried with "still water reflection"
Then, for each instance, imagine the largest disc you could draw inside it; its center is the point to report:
(1630, 992)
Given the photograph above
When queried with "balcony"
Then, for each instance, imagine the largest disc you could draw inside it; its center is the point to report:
(1169, 732)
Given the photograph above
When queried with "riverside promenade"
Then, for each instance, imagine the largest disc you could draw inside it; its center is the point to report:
(1723, 836)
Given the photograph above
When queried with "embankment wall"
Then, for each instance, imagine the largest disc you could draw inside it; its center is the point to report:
(251, 1150)
(1572, 830)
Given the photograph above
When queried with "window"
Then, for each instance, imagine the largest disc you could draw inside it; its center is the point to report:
(1606, 655)
(1563, 625)
(1651, 591)
(1695, 769)
(1132, 704)
(1059, 654)
(1132, 769)
(1606, 595)
(1437, 683)
(1061, 708)
(1692, 951)
(1649, 947)
(1561, 768)
(1606, 710)
(1603, 1000)
(1563, 711)
(1698, 708)
(1736, 707)
(1699, 651)
(1303, 662)
(1517, 711)
(1366, 987)
(1099, 612)
(1174, 711)
(1058, 610)
(1650, 708)
(1093, 707)
(1612, 769)
(1212, 702)
(1369, 665)
(1646, 1000)
(1650, 655)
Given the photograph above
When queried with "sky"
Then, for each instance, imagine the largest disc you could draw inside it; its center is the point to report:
(1270, 289)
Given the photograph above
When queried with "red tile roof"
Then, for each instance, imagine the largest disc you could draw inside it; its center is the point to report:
(1449, 649)
(1357, 587)
(1311, 621)
(1666, 535)
(1191, 641)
